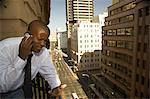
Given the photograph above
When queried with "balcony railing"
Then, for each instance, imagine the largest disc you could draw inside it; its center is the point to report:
(40, 88)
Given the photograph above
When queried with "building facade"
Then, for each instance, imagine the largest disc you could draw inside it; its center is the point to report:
(126, 51)
(61, 38)
(78, 10)
(85, 40)
(17, 14)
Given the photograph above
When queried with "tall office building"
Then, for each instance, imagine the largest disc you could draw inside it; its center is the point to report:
(126, 51)
(78, 10)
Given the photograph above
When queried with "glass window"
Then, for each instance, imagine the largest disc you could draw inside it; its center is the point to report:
(140, 30)
(114, 32)
(129, 45)
(118, 31)
(145, 47)
(140, 12)
(109, 32)
(146, 29)
(147, 11)
(122, 31)
(137, 77)
(129, 31)
(121, 44)
(139, 47)
(142, 80)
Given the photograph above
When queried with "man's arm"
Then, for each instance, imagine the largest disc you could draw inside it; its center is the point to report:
(48, 71)
(12, 64)
(11, 69)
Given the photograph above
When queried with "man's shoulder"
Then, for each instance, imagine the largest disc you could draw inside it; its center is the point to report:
(10, 41)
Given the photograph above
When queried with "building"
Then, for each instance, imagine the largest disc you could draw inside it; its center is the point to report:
(126, 51)
(17, 14)
(100, 19)
(115, 1)
(61, 38)
(77, 10)
(85, 40)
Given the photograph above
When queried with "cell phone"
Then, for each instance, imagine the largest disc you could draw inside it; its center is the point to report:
(27, 35)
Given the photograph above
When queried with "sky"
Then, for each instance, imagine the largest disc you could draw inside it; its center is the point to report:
(58, 12)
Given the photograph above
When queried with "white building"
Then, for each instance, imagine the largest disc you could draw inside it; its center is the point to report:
(85, 38)
(61, 38)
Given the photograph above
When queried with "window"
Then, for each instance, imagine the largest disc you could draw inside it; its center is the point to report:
(121, 44)
(137, 77)
(140, 12)
(111, 43)
(141, 95)
(109, 32)
(138, 62)
(122, 31)
(118, 31)
(142, 80)
(144, 64)
(129, 45)
(147, 11)
(129, 31)
(140, 30)
(145, 47)
(114, 32)
(139, 47)
(130, 17)
(136, 92)
(146, 29)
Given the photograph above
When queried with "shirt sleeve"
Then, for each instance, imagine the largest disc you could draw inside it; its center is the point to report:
(10, 69)
(48, 71)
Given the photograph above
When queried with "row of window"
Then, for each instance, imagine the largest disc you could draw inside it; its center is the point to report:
(89, 36)
(87, 41)
(118, 67)
(87, 60)
(117, 55)
(91, 55)
(119, 44)
(121, 31)
(89, 65)
(87, 46)
(123, 8)
(123, 81)
(88, 50)
(120, 20)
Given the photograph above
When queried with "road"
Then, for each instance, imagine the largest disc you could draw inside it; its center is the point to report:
(67, 77)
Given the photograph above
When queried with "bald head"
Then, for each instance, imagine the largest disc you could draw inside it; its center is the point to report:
(40, 33)
(37, 24)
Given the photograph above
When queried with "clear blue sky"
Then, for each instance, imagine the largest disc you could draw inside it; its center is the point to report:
(58, 12)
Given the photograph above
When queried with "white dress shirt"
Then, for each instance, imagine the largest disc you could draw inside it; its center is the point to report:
(12, 66)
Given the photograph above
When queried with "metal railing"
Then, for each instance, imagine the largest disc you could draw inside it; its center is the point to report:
(40, 88)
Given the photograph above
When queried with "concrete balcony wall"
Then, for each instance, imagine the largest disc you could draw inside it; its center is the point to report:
(17, 14)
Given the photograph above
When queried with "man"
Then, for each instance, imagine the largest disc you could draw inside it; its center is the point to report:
(14, 53)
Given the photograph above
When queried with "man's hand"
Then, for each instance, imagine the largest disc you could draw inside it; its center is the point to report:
(58, 92)
(25, 47)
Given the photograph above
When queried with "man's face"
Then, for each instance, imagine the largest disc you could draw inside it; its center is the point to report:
(40, 36)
